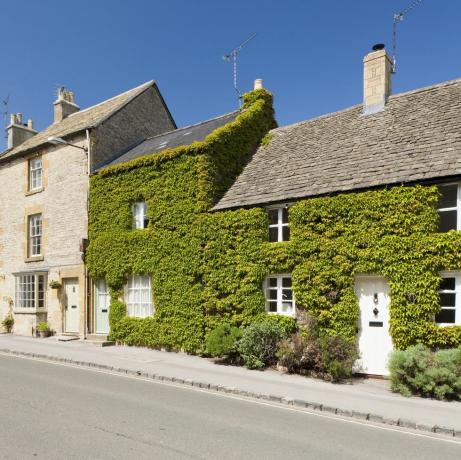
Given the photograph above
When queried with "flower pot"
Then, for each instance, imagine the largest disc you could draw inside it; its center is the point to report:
(43, 334)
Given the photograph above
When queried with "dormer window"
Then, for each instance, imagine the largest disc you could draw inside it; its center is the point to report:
(278, 224)
(449, 206)
(35, 173)
(139, 211)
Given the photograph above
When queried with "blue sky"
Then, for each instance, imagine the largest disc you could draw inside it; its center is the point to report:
(309, 52)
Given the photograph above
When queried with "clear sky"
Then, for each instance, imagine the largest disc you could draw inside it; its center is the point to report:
(309, 52)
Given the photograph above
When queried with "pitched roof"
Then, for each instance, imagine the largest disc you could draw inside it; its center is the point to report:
(79, 121)
(176, 138)
(416, 137)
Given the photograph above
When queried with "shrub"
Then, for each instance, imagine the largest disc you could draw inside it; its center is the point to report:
(307, 352)
(8, 322)
(223, 341)
(43, 326)
(259, 343)
(418, 370)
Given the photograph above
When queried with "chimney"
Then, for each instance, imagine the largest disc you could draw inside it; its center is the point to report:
(258, 84)
(377, 70)
(64, 105)
(19, 132)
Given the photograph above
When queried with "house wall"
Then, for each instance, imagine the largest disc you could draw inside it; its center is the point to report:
(63, 204)
(143, 117)
(179, 185)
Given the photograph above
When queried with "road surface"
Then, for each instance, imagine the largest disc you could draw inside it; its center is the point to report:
(52, 411)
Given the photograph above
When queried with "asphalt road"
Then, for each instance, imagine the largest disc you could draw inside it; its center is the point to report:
(49, 411)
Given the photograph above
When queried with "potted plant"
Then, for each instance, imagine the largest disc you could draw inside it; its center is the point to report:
(43, 329)
(54, 284)
(8, 322)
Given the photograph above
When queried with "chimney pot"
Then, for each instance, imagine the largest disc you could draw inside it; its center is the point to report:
(258, 83)
(377, 71)
(30, 124)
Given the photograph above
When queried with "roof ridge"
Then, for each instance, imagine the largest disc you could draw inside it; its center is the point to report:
(191, 126)
(352, 107)
(146, 85)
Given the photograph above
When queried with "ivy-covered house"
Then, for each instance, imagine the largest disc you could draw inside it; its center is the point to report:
(352, 216)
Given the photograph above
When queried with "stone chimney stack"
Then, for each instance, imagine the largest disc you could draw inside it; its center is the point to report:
(19, 132)
(65, 105)
(377, 71)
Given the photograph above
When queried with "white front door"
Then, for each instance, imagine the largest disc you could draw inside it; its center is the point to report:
(71, 305)
(101, 307)
(375, 342)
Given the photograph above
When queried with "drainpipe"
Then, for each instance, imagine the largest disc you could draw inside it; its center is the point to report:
(87, 281)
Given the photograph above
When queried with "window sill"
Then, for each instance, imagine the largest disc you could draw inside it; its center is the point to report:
(33, 192)
(35, 259)
(29, 311)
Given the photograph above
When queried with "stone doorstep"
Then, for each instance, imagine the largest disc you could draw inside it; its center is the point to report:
(98, 340)
(309, 405)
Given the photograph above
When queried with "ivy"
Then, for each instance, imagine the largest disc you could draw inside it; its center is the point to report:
(207, 268)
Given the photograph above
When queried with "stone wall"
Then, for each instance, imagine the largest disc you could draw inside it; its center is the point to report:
(63, 204)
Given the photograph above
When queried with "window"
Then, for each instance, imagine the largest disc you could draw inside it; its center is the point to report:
(449, 208)
(140, 219)
(279, 295)
(35, 235)
(449, 300)
(138, 297)
(30, 290)
(101, 294)
(35, 173)
(278, 224)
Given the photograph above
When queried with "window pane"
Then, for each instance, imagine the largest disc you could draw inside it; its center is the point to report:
(447, 284)
(287, 307)
(448, 196)
(285, 233)
(286, 281)
(445, 316)
(287, 294)
(273, 216)
(447, 300)
(448, 220)
(285, 216)
(272, 282)
(272, 307)
(273, 234)
(272, 294)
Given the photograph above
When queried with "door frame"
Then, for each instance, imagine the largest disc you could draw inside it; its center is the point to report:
(371, 277)
(65, 282)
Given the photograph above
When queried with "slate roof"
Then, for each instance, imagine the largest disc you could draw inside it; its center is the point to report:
(416, 137)
(176, 138)
(79, 121)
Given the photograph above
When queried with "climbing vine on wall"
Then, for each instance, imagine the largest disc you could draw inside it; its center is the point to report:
(208, 267)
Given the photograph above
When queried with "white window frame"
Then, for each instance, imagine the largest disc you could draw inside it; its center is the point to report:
(35, 226)
(457, 291)
(279, 289)
(456, 208)
(280, 225)
(29, 298)
(139, 211)
(35, 173)
(138, 296)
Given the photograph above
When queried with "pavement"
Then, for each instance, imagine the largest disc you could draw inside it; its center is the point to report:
(364, 399)
(51, 411)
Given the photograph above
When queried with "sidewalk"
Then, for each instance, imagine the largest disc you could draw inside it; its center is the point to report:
(365, 399)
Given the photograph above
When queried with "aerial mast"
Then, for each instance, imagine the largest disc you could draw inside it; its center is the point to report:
(232, 56)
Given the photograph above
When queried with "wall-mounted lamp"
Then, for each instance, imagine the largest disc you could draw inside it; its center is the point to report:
(60, 141)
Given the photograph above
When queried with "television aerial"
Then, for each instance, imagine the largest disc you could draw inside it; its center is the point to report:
(232, 56)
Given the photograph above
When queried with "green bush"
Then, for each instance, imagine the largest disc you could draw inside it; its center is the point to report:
(420, 371)
(8, 322)
(259, 343)
(308, 352)
(43, 326)
(222, 341)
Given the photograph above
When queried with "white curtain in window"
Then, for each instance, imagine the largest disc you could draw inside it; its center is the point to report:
(138, 296)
